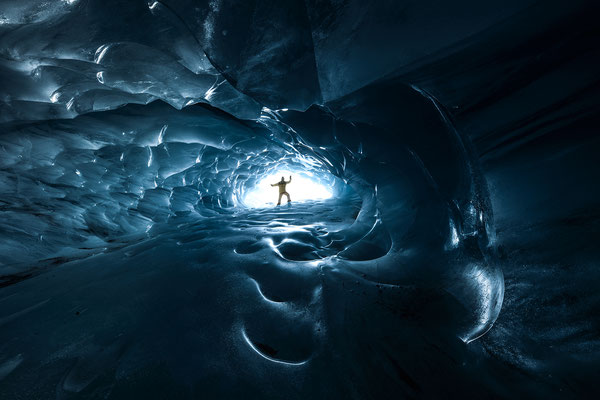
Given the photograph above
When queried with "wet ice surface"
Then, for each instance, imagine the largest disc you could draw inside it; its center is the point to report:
(204, 301)
(165, 303)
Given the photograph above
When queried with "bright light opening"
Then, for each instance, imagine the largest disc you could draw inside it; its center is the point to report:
(302, 188)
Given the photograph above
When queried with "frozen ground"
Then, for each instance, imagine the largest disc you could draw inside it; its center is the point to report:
(205, 302)
(253, 297)
(199, 297)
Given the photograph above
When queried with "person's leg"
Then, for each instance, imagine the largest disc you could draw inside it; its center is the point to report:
(288, 196)
(279, 201)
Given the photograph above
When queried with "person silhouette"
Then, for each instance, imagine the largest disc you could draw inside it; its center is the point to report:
(282, 190)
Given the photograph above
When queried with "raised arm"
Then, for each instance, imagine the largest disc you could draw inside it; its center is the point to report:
(290, 179)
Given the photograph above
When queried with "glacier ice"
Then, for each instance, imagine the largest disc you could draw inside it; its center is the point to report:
(138, 260)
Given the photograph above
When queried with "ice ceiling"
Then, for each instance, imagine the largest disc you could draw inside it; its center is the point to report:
(138, 140)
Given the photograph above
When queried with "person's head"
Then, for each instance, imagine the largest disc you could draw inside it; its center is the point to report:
(282, 179)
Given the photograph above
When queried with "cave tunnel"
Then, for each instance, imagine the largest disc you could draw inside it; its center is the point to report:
(442, 235)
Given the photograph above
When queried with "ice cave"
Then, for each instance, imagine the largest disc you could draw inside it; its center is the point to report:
(442, 236)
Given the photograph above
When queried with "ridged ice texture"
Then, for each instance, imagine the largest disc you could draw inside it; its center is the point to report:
(105, 59)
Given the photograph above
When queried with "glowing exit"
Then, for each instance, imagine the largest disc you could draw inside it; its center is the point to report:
(301, 188)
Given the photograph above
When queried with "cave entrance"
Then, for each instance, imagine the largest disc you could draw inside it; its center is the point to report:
(304, 186)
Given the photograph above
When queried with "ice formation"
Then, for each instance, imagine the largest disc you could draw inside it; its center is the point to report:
(139, 259)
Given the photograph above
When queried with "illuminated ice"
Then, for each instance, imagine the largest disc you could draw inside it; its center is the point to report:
(303, 187)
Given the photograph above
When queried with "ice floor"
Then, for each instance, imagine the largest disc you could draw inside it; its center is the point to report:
(279, 308)
(164, 302)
